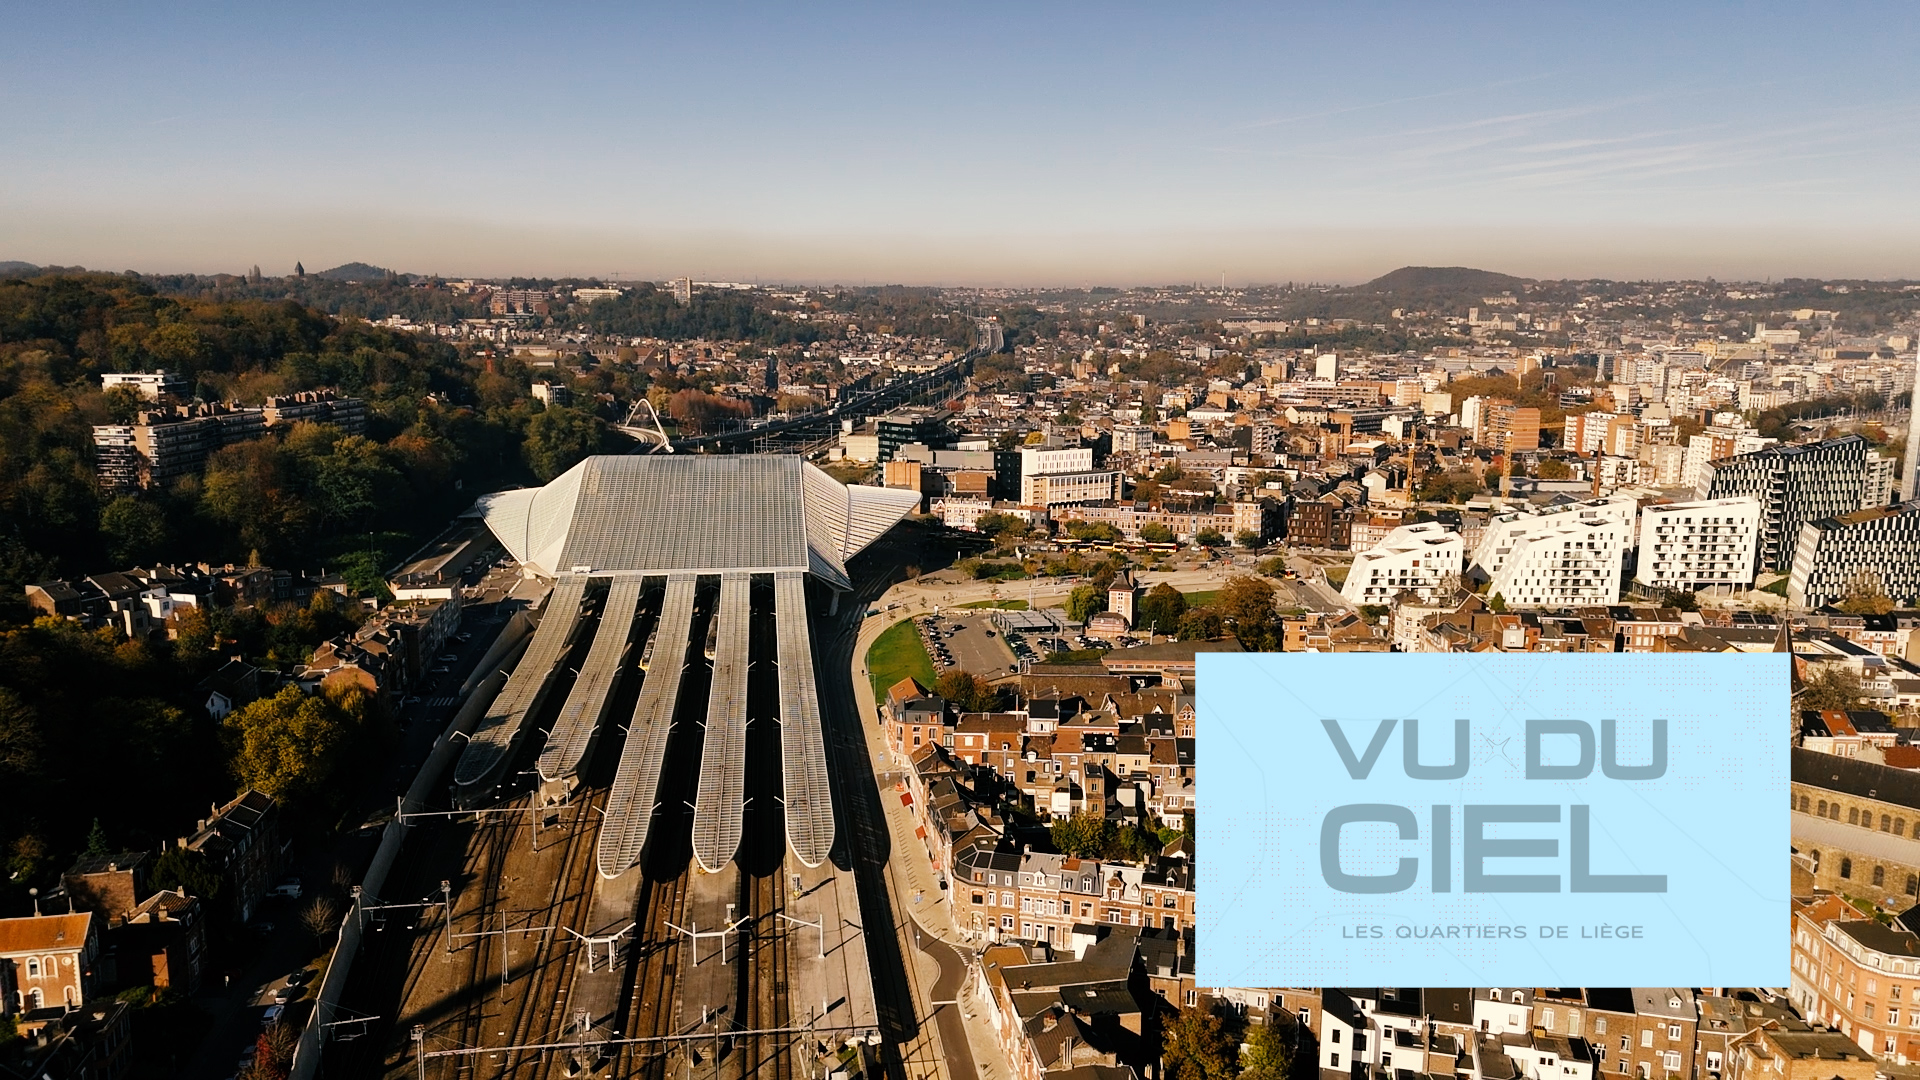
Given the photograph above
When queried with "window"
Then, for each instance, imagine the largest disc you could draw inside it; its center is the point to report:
(1879, 875)
(1886, 823)
(1336, 1036)
(1646, 1036)
(1546, 1019)
(33, 966)
(1518, 997)
(1846, 868)
(978, 900)
(1673, 1061)
(1006, 899)
(1913, 885)
(1599, 1025)
(1853, 815)
(1335, 1055)
(1673, 1031)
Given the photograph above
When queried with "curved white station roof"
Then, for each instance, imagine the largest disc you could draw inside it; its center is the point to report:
(693, 514)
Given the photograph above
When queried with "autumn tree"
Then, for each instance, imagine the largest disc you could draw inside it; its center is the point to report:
(291, 746)
(965, 691)
(1268, 1054)
(1198, 1045)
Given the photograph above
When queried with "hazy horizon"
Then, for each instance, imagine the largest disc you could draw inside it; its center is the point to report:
(991, 146)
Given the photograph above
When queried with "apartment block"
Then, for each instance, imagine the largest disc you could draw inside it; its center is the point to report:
(1696, 544)
(1423, 559)
(1869, 550)
(1795, 485)
(1557, 556)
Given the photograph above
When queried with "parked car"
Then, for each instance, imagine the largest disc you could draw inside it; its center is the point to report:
(285, 994)
(300, 977)
(272, 1015)
(290, 888)
(448, 658)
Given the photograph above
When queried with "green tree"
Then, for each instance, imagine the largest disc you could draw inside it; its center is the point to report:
(97, 840)
(1095, 531)
(997, 524)
(123, 404)
(134, 530)
(1083, 836)
(1498, 603)
(1155, 533)
(1554, 469)
(1084, 602)
(1161, 608)
(1198, 1045)
(1210, 538)
(1248, 539)
(1683, 599)
(1268, 1054)
(558, 437)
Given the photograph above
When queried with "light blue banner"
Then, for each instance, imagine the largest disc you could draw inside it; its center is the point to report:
(1369, 819)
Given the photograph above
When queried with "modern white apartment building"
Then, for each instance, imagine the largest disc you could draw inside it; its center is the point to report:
(1422, 559)
(1557, 556)
(1693, 544)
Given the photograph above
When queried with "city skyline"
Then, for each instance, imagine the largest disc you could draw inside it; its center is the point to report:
(998, 147)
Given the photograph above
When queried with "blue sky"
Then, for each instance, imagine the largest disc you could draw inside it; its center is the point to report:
(966, 143)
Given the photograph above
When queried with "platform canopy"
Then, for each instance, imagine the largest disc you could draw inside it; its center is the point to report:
(693, 514)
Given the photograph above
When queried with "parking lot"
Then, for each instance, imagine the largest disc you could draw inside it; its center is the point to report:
(968, 640)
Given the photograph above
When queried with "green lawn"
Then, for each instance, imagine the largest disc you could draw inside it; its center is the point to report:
(1003, 605)
(1201, 599)
(898, 654)
(1337, 575)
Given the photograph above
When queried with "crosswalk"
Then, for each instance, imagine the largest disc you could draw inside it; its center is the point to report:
(442, 702)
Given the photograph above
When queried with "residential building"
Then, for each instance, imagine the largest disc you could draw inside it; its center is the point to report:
(242, 844)
(50, 961)
(1874, 551)
(1423, 559)
(1858, 976)
(317, 406)
(1057, 489)
(151, 385)
(903, 426)
(1694, 545)
(93, 1042)
(1795, 485)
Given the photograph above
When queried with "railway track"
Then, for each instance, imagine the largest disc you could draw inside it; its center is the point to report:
(653, 962)
(540, 1004)
(488, 870)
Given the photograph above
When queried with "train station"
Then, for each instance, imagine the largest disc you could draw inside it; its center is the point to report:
(651, 873)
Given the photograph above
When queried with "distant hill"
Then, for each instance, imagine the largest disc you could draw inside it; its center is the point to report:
(1412, 280)
(14, 266)
(354, 271)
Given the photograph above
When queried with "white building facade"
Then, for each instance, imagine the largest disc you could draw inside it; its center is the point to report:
(1560, 556)
(1423, 559)
(1694, 544)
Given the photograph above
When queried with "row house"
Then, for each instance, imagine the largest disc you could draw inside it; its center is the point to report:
(49, 961)
(1082, 1018)
(1043, 896)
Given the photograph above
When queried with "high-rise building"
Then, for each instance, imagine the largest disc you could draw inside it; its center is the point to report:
(1795, 485)
(1908, 489)
(1876, 550)
(1688, 545)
